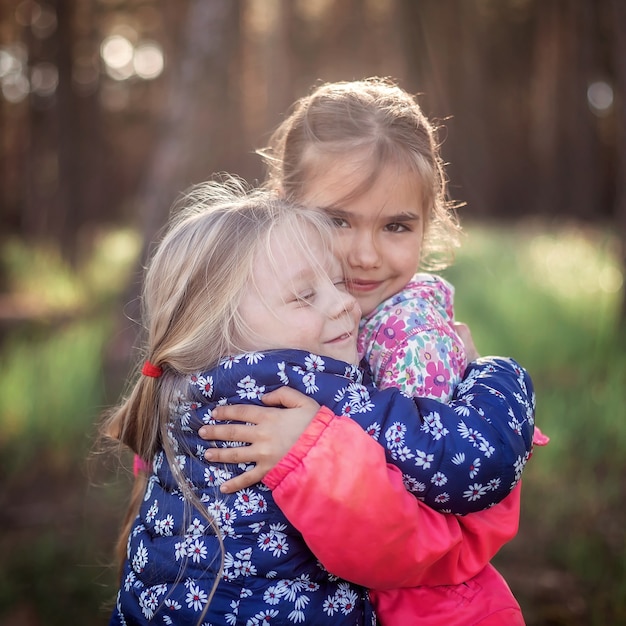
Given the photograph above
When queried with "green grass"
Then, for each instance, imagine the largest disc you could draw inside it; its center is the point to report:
(550, 299)
(60, 515)
(52, 389)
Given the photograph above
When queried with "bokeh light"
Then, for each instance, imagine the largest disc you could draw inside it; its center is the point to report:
(124, 60)
(15, 88)
(117, 53)
(600, 97)
(44, 79)
(14, 82)
(148, 60)
(44, 21)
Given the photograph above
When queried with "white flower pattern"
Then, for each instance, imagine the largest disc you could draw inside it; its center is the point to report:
(260, 543)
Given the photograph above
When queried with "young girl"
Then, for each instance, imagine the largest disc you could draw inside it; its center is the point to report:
(365, 154)
(237, 273)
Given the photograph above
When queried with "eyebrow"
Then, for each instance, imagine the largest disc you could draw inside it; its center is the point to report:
(406, 216)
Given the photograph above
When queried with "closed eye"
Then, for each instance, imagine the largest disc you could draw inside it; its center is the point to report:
(305, 298)
(340, 222)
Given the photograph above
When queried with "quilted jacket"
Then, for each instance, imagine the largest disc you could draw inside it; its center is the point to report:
(449, 455)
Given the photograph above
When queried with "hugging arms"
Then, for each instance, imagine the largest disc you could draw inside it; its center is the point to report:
(337, 470)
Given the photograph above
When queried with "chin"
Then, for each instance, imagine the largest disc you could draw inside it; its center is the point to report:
(353, 359)
(367, 308)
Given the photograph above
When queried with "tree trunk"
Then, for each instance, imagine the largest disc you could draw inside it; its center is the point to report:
(196, 102)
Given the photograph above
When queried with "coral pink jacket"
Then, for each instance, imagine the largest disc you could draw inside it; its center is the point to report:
(382, 537)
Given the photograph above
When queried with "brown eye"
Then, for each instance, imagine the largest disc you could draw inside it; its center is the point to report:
(396, 227)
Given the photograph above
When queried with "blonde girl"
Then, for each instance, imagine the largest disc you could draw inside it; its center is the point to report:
(206, 289)
(244, 301)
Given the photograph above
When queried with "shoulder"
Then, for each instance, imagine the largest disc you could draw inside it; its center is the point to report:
(435, 289)
(430, 283)
(422, 291)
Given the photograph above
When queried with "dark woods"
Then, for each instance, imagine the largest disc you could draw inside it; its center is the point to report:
(110, 108)
(530, 94)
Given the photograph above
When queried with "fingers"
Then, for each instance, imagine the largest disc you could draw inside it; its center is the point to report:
(285, 397)
(228, 432)
(247, 479)
(250, 413)
(243, 454)
(239, 454)
(465, 334)
(463, 331)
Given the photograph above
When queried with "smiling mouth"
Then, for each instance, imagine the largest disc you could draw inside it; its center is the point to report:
(340, 338)
(363, 285)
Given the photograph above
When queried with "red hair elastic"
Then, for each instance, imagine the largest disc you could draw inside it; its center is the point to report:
(139, 465)
(151, 370)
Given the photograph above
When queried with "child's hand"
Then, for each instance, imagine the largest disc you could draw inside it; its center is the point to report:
(465, 334)
(271, 432)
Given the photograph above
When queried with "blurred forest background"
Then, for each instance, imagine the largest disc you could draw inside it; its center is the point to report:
(110, 108)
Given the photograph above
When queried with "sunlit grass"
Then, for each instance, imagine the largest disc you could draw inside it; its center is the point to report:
(547, 297)
(551, 300)
(557, 313)
(51, 389)
(59, 527)
(40, 274)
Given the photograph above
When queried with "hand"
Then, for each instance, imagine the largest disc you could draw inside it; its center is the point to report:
(271, 433)
(465, 334)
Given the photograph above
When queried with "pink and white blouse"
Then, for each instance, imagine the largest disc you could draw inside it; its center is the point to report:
(410, 341)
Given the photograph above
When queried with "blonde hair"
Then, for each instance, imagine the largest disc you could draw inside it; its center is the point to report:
(381, 124)
(192, 289)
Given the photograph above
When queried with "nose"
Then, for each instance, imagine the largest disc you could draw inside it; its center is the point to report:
(344, 303)
(363, 251)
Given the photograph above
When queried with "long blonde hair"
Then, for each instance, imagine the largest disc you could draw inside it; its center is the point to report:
(192, 289)
(377, 119)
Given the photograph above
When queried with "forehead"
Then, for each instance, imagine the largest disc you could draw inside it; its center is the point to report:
(292, 255)
(340, 182)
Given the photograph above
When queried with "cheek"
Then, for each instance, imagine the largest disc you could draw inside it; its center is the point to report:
(404, 260)
(413, 255)
(304, 335)
(417, 255)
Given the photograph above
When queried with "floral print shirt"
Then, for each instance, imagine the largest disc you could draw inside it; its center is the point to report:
(450, 455)
(410, 342)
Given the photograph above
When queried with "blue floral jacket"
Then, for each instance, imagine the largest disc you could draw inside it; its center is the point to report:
(452, 456)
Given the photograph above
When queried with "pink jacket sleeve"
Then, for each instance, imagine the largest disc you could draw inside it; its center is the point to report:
(353, 511)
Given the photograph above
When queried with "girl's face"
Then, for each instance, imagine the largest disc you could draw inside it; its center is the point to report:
(380, 232)
(292, 304)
